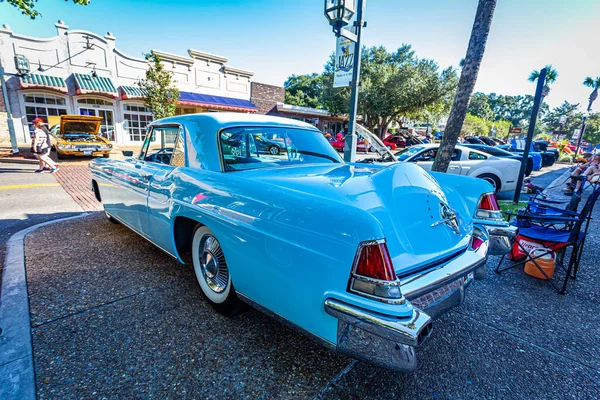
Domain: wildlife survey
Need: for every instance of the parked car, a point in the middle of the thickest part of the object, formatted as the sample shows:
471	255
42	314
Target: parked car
501	173
339	144
272	146
473	140
543	146
332	248
488	140
77	135
498	152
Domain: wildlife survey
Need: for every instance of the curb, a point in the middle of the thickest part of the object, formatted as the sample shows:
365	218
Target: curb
17	375
17	160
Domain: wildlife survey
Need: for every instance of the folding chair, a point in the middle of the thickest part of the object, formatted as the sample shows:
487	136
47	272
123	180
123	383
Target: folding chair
557	233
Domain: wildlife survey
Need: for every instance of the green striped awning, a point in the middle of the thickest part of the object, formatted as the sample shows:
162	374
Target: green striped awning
43	81
133	92
87	84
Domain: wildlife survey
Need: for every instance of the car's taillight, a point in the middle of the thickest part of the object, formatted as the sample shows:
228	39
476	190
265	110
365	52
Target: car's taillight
488	207
373	273
476	242
478	238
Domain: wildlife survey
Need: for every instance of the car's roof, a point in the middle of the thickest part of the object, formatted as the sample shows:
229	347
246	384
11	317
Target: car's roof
231	119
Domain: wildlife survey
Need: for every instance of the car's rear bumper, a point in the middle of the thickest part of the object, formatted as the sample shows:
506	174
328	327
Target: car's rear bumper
501	239
389	341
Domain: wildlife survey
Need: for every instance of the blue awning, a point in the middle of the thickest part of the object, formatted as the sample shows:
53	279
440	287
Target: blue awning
216	102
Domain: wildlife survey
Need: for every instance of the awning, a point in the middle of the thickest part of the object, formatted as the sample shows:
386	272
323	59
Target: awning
43	81
133	92
216	102
88	84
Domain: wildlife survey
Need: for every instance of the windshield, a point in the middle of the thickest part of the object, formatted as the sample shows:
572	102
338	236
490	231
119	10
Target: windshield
407	152
257	147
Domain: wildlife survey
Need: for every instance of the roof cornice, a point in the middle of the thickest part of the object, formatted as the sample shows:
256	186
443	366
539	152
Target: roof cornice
200	55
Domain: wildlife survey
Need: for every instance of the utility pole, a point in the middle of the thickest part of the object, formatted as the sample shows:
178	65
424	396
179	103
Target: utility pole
351	138
534	113
11	126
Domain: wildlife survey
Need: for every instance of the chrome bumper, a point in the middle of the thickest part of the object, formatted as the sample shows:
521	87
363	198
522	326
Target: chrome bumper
501	239
390	342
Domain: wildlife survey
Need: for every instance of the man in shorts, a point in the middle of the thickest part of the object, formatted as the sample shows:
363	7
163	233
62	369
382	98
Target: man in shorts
41	146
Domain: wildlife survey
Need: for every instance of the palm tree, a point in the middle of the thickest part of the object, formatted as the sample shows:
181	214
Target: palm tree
595	84
551	75
468	78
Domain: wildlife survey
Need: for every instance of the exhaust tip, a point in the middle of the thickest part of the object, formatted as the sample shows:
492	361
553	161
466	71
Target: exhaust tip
424	334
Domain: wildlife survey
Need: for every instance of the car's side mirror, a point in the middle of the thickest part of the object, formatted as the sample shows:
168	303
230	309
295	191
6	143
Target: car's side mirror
127	153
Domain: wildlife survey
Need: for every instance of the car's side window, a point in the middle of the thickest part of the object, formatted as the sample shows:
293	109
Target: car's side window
476	156
159	144
456	154
178	158
428	155
146	144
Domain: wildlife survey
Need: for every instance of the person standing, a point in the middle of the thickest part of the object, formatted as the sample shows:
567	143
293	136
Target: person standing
41	148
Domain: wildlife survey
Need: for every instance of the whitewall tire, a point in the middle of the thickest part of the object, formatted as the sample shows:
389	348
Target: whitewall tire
212	272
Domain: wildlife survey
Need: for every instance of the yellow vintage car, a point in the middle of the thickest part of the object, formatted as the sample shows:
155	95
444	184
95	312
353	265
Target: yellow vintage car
77	135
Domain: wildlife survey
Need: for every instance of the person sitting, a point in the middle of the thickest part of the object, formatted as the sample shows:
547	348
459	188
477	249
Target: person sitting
592	174
575	176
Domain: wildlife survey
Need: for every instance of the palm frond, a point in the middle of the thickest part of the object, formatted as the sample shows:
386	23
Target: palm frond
591	82
534	75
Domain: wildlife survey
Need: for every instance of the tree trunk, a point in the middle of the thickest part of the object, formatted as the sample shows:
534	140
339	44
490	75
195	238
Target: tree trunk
468	77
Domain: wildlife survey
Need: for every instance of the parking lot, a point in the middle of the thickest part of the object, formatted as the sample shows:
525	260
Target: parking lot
117	318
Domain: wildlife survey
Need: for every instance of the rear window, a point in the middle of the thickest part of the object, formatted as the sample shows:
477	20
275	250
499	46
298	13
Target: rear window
256	147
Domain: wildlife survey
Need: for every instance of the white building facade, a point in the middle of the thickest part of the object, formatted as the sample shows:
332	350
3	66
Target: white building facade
79	72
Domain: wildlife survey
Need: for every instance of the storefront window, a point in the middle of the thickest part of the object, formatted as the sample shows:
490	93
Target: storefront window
136	119
43	105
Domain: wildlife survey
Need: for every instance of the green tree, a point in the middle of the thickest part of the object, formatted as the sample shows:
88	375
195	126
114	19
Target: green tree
392	85
592	130
594	84
304	90
479	106
162	95
27	7
572	114
468	78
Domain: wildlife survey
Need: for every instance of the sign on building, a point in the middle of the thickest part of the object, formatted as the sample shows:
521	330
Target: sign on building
344	62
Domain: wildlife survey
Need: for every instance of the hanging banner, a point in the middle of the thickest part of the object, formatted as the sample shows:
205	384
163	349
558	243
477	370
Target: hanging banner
344	62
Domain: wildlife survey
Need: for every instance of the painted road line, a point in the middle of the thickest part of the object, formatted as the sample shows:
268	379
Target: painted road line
28	185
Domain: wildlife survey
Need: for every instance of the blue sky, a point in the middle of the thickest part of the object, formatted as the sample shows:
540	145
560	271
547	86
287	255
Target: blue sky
278	38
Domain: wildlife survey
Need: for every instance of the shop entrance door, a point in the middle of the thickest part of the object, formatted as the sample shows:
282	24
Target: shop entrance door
107	126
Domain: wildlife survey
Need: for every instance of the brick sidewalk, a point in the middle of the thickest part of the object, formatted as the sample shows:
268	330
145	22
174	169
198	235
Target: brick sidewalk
76	181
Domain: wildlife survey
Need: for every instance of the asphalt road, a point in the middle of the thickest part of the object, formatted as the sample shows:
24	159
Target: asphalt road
117	318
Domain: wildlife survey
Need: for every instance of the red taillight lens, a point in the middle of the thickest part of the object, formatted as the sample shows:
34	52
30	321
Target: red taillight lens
374	262
488	207
374	274
476	242
488	202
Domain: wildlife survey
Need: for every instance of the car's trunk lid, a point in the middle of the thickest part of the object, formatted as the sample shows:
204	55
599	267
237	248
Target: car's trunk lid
411	208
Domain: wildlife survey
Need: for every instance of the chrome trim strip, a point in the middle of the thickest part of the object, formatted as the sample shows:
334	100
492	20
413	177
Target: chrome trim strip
421	283
401	330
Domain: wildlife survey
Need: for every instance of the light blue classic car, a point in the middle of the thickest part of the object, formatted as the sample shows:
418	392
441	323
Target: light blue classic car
361	257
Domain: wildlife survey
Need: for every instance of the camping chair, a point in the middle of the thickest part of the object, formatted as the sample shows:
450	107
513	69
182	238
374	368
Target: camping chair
557	233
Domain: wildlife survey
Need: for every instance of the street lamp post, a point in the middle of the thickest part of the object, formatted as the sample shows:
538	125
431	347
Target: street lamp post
339	13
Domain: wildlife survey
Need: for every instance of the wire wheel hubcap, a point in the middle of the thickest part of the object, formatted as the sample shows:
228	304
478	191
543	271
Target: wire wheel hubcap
214	268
